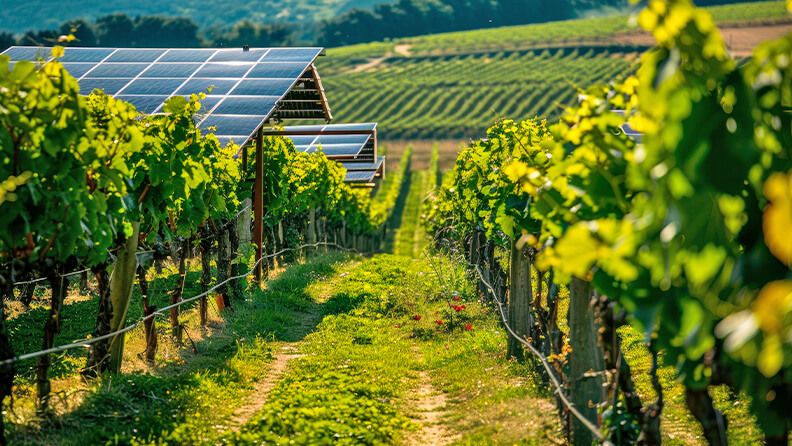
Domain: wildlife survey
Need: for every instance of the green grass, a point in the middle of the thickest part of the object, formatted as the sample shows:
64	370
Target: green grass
192	397
410	237
358	380
678	426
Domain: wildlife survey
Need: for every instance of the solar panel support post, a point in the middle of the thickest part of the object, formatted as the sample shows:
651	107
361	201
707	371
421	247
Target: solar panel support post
258	206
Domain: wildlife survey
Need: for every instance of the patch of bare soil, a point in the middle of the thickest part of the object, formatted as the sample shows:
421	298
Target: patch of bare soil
371	64
258	397
740	39
403	49
431	411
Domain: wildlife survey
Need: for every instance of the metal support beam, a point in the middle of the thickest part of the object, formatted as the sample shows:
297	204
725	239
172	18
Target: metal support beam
258	206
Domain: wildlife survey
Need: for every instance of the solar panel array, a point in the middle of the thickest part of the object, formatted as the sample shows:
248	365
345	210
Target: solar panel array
353	145
247	85
332	139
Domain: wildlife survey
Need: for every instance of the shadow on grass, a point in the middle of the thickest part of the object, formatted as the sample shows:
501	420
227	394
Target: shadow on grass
182	401
395	220
78	320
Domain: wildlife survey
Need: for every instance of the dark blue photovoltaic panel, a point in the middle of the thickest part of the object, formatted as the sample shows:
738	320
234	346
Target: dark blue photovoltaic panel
153	86
223	70
78	69
277	70
135	55
339	149
28	53
360	177
237	55
182	70
144	104
365	126
221	86
128	70
110	86
304	128
302	140
358	166
342	139
85	54
292	54
246	87
263	87
187	55
254	106
232	125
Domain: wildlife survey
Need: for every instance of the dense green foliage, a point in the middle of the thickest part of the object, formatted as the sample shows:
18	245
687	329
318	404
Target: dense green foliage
684	231
21	16
63	185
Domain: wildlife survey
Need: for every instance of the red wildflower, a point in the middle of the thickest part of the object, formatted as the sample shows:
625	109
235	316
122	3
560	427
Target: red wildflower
417	317
468	327
439	322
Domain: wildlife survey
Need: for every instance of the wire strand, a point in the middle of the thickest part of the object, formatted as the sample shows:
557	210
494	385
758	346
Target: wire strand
161	312
551	373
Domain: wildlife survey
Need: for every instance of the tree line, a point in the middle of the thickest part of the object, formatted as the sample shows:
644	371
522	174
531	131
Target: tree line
121	30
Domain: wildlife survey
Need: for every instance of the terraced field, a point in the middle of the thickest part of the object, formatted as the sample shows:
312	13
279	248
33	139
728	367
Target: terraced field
454	85
454	96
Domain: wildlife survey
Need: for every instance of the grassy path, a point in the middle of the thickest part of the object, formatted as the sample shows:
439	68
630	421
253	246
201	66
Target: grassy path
339	350
380	369
408	236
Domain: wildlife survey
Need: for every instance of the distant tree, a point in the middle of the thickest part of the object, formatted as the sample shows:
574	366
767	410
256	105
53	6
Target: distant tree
413	17
45	37
357	25
115	30
6	40
81	30
156	31
254	34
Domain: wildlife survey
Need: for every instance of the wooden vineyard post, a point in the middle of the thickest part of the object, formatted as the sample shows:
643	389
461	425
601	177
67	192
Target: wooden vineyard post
223	266
206	274
519	300
58	287
148	325
243	231
121	283
585	362
177	293
99	351
258	207
311	230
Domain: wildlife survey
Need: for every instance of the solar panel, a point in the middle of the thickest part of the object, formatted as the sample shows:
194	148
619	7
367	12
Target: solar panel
353	145
360	176
355	166
332	139
248	86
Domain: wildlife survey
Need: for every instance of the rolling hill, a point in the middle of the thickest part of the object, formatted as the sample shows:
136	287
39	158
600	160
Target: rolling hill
454	85
44	14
